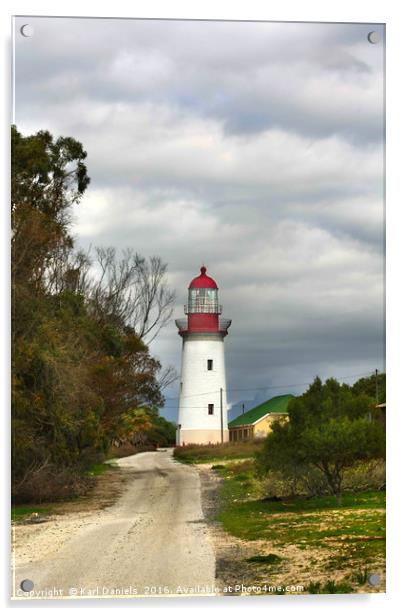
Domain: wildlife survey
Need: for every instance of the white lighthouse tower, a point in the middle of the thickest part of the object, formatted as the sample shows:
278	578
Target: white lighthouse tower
203	406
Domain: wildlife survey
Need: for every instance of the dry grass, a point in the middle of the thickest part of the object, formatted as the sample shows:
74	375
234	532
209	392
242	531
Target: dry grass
199	454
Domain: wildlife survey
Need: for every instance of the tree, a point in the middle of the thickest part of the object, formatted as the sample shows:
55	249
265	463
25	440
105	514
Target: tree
373	386
82	373
132	291
125	378
50	175
47	177
162	432
133	426
328	429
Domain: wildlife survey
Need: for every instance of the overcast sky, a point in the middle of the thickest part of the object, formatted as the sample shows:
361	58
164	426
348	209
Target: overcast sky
255	148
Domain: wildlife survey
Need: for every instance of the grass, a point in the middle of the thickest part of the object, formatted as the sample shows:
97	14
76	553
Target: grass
20	512
269	559
329	588
99	469
349	537
199	454
361	577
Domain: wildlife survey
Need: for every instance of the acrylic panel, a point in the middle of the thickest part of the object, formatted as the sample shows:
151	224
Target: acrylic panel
198	392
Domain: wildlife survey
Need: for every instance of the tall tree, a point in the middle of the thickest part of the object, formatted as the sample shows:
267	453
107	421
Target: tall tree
50	175
47	177
82	372
373	386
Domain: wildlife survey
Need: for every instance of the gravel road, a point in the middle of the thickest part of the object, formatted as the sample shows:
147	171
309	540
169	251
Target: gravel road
152	541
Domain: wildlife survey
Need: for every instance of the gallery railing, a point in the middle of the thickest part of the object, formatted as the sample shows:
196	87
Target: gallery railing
202	308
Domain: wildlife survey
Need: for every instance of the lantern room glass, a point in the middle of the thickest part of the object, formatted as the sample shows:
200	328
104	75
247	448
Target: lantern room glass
203	300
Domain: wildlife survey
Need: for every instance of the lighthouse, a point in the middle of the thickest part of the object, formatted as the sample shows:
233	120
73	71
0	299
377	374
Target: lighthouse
202	405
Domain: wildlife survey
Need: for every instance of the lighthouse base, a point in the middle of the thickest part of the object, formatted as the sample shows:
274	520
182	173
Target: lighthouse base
201	437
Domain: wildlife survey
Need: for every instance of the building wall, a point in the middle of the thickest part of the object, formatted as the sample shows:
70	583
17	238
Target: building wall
195	383
264	426
243	433
203	437
258	430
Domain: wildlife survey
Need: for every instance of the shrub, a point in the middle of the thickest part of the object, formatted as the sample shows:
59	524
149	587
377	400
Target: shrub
365	476
51	484
204	453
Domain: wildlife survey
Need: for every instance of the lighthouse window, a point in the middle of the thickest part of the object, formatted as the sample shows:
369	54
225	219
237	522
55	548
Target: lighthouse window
203	300
210	364
210	409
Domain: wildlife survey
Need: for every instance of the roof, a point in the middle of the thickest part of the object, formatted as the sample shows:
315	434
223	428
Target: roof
203	281
275	406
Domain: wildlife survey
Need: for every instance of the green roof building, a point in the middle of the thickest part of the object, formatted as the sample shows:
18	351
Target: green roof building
257	422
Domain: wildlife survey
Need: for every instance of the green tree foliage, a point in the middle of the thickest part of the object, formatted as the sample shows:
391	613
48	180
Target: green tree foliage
373	386
162	432
82	375
48	175
330	428
142	426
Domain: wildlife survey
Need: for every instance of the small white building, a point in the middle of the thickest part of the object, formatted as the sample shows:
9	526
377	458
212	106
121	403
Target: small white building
203	405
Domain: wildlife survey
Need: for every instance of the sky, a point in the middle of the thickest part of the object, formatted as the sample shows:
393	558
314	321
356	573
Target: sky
255	148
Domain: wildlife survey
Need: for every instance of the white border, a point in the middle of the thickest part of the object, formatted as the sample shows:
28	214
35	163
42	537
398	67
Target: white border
378	11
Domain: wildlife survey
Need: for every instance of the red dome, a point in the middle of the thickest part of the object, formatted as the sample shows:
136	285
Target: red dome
203	281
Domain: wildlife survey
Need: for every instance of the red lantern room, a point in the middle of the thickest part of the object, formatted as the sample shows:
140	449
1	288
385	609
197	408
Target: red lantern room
203	308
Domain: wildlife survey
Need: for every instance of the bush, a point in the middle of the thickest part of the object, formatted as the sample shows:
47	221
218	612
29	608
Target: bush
365	476
302	481
330	430
308	482
90	456
50	484
127	449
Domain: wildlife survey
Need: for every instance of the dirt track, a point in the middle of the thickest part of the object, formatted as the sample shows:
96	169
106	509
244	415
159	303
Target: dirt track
152	541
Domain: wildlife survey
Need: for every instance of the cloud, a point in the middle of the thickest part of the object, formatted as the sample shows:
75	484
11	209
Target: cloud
315	79
256	148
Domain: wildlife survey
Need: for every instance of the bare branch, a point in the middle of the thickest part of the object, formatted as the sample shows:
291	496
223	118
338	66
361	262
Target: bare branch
133	292
167	377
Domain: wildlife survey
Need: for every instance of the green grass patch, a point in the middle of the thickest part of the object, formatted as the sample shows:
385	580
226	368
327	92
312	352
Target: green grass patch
99	469
352	533
20	512
254	520
268	559
329	588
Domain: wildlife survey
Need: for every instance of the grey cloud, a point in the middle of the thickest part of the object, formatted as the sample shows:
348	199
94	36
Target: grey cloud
251	77
254	147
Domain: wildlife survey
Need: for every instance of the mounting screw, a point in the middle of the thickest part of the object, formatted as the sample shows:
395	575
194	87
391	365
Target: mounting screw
27	30
373	37
27	585
374	579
